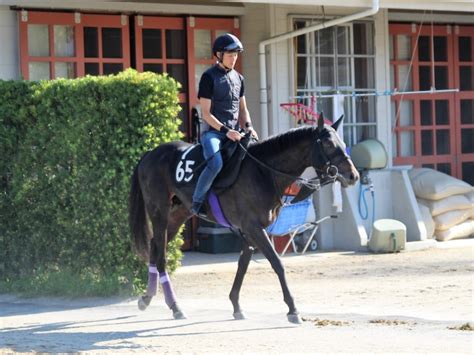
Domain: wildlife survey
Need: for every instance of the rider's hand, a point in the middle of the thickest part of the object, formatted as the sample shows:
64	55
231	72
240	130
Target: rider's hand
253	133
233	135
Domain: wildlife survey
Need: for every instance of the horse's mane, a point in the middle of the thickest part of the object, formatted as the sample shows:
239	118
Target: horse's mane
280	142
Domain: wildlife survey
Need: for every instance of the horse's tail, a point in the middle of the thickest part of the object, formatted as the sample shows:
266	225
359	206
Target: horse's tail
137	218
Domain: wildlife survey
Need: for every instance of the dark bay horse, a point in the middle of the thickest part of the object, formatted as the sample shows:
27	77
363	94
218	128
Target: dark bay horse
158	207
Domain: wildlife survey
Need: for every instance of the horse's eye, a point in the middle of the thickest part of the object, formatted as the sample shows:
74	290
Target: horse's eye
329	145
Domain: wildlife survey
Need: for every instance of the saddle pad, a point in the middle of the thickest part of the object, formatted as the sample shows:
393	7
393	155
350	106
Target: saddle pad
191	163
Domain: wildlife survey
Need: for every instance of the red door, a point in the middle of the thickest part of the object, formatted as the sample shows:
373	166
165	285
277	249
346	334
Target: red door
181	47
160	47
70	45
202	32
428	129
464	101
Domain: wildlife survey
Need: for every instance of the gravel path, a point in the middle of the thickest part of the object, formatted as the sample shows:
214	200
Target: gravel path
412	302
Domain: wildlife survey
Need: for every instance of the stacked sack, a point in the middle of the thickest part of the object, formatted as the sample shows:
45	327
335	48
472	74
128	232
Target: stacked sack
446	204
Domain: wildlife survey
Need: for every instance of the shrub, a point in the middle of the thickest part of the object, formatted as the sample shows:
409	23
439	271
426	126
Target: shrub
69	150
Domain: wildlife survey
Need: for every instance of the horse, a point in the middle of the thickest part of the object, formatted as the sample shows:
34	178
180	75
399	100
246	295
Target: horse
158	206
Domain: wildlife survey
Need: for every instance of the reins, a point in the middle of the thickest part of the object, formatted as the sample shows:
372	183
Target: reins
329	174
313	183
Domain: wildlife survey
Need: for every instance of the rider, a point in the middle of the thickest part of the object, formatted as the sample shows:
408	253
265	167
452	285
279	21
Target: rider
223	107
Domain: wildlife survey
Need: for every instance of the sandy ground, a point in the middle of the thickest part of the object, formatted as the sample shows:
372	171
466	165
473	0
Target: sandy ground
351	302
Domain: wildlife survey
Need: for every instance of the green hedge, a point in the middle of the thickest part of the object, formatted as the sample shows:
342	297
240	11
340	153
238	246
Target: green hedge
67	151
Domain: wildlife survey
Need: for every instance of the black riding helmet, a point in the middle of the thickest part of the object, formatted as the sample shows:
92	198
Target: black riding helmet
227	43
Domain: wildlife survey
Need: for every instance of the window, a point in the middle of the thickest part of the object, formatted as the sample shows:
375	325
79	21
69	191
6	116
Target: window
338	59
433	129
69	45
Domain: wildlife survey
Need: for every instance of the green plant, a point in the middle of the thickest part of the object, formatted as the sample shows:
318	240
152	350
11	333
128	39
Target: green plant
69	150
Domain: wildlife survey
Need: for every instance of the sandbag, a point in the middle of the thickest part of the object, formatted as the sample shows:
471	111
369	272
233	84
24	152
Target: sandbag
450	203
415	172
470	196
449	219
462	230
427	220
434	185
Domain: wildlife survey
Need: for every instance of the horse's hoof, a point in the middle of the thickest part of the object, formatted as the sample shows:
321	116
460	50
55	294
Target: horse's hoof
179	315
143	302
239	316
294	318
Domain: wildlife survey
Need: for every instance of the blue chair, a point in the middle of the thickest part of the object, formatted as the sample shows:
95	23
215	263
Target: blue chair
292	220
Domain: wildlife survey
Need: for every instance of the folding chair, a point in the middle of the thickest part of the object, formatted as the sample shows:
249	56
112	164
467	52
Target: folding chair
292	220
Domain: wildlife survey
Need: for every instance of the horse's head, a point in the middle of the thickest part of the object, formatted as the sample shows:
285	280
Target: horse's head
330	159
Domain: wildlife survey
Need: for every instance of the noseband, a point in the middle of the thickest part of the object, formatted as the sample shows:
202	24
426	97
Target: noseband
329	170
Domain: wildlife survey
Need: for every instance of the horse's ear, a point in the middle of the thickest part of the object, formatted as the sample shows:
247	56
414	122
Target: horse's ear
321	121
337	123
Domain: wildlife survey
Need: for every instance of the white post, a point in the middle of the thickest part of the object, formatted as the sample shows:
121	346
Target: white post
338	110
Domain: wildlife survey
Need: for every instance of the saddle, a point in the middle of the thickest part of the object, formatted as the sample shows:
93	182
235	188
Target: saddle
192	162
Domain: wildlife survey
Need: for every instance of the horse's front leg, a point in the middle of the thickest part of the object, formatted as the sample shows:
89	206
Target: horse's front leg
262	241
244	260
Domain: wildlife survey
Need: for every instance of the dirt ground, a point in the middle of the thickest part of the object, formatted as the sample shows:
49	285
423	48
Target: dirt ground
412	302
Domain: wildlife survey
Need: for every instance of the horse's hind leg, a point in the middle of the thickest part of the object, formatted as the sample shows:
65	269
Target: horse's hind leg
159	234
244	261
157	267
177	217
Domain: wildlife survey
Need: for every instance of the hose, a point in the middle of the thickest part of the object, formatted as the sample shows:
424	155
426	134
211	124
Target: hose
364	209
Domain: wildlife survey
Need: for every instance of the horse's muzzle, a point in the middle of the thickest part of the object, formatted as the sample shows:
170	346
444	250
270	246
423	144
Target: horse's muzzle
353	177
349	179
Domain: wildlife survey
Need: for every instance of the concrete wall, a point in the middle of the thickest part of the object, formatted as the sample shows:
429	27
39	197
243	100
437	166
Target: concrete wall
393	200
382	81
9	53
254	29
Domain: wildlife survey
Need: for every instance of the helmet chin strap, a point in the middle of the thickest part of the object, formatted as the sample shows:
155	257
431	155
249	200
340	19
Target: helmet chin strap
222	62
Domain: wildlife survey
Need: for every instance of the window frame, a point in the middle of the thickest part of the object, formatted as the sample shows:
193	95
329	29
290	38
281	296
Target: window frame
78	21
351	122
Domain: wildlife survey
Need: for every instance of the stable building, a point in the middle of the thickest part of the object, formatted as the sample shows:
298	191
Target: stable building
401	72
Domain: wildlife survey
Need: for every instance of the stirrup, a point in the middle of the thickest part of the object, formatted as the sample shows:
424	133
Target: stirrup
198	209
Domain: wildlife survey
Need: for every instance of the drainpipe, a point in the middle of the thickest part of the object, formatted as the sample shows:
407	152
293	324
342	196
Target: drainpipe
261	52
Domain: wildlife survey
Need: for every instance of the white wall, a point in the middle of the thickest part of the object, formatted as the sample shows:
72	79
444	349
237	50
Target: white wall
382	81
9	52
393	200
253	30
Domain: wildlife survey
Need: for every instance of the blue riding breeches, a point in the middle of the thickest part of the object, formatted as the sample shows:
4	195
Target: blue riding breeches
211	142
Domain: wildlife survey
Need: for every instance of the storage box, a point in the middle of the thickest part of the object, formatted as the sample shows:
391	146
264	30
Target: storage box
388	236
216	240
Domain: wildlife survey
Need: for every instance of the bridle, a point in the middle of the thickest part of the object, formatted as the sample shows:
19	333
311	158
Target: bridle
329	171
327	175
